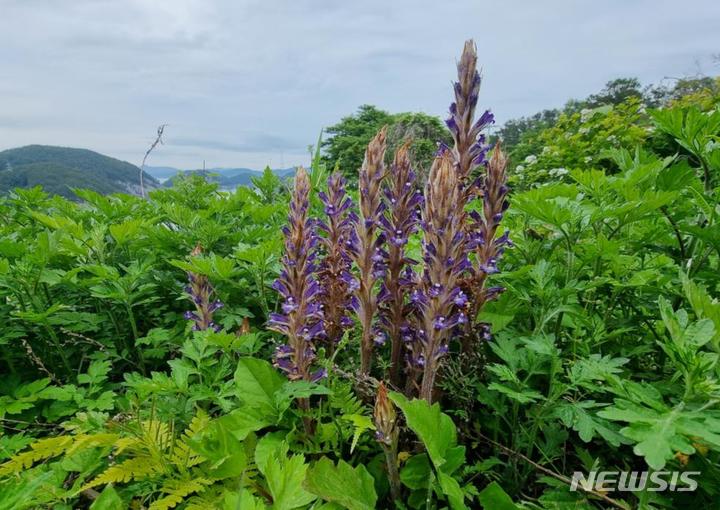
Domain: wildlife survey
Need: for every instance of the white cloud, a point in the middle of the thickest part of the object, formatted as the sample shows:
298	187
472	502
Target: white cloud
264	77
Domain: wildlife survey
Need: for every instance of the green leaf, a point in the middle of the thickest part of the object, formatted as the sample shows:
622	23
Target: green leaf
242	500
272	444
256	383
108	500
417	472
361	423
354	489
451	488
434	428
285	478
493	497
660	433
222	449
524	397
292	390
242	422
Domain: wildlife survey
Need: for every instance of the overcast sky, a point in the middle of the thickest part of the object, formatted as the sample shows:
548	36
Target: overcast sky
250	83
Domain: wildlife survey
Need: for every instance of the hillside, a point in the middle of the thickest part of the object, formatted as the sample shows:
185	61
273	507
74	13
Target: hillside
59	169
227	178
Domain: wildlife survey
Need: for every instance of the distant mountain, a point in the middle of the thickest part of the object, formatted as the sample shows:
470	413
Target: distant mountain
58	169
227	178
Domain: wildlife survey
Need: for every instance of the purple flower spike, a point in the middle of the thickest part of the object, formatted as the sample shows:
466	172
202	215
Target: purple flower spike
485	227
469	149
334	268
201	293
469	152
302	318
400	221
368	241
445	254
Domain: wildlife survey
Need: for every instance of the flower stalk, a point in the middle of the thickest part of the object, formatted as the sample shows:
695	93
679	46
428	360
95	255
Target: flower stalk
439	300
201	293
301	320
335	268
387	433
368	247
470	152
399	223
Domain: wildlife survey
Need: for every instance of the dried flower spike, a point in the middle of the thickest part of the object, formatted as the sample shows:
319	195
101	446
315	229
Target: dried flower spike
368	246
386	432
201	293
301	320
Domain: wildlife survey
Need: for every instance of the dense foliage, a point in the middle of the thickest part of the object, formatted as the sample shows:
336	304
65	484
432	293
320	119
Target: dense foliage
345	143
413	368
553	142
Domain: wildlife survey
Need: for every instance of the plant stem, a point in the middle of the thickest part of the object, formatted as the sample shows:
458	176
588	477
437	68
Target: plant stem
393	473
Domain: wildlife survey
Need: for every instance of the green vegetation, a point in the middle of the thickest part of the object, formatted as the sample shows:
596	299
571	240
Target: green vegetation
551	143
136	356
59	170
347	140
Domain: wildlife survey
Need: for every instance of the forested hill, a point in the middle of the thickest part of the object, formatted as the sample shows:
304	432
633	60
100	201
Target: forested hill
59	169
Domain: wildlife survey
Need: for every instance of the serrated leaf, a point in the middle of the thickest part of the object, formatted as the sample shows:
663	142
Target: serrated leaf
451	489
361	423
524	397
353	488
417	472
242	422
285	478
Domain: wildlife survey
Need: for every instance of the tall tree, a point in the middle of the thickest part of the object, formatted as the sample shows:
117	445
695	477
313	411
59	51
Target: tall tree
347	140
615	92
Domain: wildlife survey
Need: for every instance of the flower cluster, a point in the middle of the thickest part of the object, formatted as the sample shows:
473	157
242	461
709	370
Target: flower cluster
400	221
439	299
365	265
334	270
488	246
368	251
469	152
201	292
301	320
470	148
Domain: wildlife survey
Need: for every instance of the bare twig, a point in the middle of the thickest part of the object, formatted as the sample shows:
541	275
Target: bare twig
364	384
84	338
158	141
36	359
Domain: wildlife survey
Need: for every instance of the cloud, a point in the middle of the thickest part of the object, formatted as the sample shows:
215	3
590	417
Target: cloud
254	142
246	82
